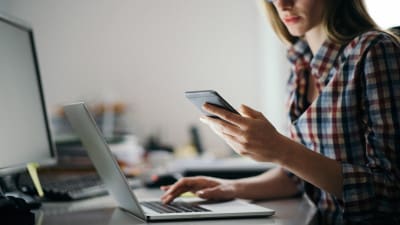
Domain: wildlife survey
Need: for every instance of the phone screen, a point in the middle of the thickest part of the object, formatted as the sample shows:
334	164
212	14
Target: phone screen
199	98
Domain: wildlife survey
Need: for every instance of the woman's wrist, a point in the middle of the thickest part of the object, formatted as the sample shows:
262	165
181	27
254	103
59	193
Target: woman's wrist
283	150
238	188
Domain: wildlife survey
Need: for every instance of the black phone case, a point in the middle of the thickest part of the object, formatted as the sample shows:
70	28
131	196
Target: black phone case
199	98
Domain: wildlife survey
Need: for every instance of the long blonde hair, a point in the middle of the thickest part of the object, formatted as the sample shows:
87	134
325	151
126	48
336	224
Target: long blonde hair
342	21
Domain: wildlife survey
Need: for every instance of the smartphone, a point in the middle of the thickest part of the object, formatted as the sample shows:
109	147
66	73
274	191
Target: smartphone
199	98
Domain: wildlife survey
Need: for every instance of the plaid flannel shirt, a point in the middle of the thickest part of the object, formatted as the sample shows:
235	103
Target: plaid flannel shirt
355	120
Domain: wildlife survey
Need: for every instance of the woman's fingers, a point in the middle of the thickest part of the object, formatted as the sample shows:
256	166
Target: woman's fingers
232	118
204	187
250	112
175	190
170	196
192	184
221	127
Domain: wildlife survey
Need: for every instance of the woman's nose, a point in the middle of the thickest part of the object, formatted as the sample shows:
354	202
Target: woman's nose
282	4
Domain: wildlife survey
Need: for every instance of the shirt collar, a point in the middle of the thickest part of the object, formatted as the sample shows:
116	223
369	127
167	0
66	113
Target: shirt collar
300	56
324	59
299	50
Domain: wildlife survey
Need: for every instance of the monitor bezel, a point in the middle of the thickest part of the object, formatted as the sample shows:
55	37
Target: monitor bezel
53	158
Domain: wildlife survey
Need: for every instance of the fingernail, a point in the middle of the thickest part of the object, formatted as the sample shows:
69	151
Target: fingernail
200	193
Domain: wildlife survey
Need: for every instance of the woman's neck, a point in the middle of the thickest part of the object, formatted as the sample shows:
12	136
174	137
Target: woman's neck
315	38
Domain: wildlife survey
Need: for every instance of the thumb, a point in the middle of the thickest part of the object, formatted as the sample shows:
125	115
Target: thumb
251	113
210	193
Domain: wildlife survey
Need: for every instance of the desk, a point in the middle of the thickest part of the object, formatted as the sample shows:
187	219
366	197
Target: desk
103	211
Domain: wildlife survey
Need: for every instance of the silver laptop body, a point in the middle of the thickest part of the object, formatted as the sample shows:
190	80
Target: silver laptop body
114	180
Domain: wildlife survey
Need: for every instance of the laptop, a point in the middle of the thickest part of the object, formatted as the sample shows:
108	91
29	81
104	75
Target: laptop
115	181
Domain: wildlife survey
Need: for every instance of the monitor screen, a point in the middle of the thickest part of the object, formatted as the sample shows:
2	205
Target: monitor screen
24	129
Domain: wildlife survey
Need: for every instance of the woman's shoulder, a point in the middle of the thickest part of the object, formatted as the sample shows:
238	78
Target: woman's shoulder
361	43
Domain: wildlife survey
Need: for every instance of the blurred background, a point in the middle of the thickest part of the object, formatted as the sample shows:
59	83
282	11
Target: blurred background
134	59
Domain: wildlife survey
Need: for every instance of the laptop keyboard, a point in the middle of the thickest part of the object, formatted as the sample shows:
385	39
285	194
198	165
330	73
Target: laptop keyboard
174	207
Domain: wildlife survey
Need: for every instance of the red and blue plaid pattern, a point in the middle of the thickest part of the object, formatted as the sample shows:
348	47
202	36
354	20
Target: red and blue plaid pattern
354	120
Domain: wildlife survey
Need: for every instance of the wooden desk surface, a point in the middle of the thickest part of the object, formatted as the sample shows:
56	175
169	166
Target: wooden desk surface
103	211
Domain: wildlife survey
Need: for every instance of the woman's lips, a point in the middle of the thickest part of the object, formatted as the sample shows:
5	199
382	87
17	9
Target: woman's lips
291	19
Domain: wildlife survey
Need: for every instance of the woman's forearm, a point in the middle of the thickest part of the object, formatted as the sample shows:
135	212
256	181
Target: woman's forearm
274	183
312	167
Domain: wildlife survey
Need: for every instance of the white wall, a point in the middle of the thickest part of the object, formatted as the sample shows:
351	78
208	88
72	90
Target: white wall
147	53
384	12
274	74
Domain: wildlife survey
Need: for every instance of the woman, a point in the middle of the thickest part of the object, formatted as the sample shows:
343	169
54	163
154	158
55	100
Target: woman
344	109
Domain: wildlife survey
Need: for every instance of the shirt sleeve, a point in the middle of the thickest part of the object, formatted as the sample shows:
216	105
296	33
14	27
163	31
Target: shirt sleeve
373	189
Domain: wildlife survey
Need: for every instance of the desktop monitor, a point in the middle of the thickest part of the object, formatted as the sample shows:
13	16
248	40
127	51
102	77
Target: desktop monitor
24	128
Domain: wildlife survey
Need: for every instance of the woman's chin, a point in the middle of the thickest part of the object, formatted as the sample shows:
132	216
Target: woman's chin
296	33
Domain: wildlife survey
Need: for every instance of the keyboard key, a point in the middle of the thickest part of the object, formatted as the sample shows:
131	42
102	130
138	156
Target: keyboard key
174	207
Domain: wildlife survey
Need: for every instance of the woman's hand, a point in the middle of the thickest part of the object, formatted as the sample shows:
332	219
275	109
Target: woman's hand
250	134
203	187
